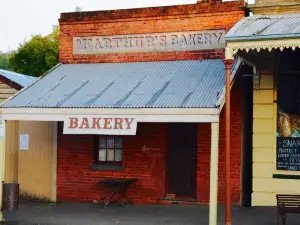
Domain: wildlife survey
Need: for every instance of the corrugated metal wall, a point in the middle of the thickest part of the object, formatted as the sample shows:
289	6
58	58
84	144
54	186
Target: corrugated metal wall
32	168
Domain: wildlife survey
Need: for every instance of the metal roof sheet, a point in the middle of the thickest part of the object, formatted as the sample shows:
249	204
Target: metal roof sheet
265	27
22	80
170	84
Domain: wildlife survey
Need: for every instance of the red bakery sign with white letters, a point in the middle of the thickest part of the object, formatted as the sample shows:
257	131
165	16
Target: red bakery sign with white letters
105	125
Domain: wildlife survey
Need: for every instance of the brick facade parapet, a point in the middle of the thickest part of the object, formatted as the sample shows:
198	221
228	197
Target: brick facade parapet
152	12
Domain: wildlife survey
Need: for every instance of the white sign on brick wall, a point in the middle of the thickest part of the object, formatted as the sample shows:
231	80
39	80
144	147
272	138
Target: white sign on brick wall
154	42
105	125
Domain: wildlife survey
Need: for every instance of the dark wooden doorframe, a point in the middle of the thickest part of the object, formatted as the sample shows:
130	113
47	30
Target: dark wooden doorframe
247	130
181	159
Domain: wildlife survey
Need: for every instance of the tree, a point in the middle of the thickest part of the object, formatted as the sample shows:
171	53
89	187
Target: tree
4	61
36	56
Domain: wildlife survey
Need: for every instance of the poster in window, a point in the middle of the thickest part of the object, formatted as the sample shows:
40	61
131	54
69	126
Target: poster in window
288	123
110	142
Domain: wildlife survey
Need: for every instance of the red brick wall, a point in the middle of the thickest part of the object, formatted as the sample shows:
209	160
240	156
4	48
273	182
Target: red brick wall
76	182
203	167
196	17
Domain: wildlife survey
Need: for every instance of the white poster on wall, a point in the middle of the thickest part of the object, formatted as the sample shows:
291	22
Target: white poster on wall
24	141
2	128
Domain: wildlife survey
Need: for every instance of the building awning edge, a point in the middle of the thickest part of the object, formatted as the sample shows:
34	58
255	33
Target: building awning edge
205	115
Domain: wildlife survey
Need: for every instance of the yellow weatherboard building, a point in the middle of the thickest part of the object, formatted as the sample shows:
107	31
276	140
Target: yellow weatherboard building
269	43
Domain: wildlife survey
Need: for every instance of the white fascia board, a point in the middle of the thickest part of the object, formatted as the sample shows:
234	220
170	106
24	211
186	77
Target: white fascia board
142	115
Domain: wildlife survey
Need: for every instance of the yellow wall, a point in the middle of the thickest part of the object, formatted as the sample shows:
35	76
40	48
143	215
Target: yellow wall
265	187
276	2
268	7
34	169
11	151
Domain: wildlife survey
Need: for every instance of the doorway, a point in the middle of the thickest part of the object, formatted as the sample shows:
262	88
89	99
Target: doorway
246	83
181	163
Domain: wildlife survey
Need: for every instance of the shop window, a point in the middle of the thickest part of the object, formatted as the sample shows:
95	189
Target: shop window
109	149
288	122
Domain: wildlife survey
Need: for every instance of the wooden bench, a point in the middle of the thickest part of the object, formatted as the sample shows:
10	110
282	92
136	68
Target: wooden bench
287	204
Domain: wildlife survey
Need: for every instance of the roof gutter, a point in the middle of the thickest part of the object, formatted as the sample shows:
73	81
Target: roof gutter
262	37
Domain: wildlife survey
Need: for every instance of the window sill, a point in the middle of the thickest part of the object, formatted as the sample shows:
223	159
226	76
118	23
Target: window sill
107	167
285	176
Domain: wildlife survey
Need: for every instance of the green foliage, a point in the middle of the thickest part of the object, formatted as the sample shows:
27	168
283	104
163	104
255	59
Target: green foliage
36	56
4	61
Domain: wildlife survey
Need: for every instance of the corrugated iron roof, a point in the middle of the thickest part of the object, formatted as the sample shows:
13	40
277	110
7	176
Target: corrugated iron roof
20	79
171	84
266	27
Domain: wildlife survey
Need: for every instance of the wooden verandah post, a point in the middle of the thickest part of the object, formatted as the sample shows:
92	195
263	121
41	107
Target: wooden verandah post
228	63
214	163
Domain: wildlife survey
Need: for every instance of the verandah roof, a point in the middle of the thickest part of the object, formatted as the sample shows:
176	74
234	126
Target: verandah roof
170	84
266	27
17	78
265	32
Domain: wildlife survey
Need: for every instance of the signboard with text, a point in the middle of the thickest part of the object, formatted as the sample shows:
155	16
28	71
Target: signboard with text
105	125
154	42
288	153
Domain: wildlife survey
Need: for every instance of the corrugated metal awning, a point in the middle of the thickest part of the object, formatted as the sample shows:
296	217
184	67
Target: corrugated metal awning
266	27
20	79
171	91
264	32
172	84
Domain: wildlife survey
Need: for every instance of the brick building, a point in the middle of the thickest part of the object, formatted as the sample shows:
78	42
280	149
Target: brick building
139	94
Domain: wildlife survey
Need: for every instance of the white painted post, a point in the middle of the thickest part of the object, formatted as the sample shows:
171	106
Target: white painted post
2	162
54	163
214	164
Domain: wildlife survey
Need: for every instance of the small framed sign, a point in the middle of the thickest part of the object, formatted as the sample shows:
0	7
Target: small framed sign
24	141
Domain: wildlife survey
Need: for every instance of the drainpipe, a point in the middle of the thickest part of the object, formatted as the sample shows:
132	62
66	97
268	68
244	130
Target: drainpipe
228	63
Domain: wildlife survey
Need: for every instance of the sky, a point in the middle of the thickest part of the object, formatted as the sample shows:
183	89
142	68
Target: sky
22	18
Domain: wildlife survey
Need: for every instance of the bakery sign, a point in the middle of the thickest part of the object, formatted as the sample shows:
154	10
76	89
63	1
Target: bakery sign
154	42
105	125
